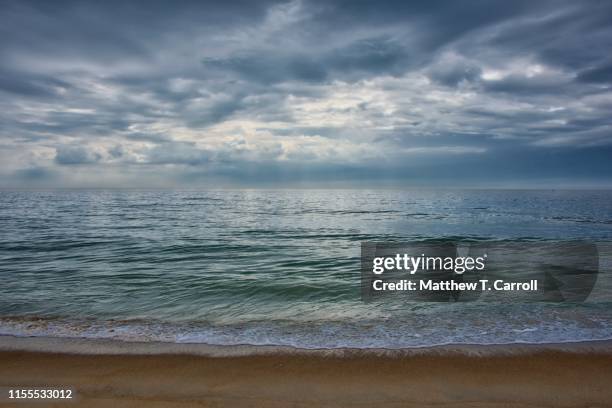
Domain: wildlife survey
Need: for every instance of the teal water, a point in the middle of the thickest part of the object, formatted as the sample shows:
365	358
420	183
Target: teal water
275	267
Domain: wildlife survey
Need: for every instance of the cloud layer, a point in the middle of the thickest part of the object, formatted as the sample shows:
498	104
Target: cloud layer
163	94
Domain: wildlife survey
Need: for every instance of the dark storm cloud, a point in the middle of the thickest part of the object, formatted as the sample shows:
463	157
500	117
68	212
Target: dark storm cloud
217	111
438	21
304	90
453	73
177	153
567	34
364	57
531	86
602	73
270	68
32	85
69	155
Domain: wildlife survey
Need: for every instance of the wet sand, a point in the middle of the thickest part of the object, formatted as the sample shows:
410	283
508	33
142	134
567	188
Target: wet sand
544	377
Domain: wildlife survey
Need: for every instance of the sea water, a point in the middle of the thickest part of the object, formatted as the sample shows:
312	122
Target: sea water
276	267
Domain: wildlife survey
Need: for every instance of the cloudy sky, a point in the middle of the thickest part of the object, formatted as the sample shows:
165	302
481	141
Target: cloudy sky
305	93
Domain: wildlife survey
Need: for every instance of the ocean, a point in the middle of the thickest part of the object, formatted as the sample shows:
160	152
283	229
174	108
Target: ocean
277	267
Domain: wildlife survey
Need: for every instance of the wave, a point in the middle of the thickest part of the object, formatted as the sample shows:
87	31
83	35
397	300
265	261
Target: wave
379	333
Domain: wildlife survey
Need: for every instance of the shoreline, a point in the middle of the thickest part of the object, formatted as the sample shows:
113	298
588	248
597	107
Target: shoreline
561	375
90	346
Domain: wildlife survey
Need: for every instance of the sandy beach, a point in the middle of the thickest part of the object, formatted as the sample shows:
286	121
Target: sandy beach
546	377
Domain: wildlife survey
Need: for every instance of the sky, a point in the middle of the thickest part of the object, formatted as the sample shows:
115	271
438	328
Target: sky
102	94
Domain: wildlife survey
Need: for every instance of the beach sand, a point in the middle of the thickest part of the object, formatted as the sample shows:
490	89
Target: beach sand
437	378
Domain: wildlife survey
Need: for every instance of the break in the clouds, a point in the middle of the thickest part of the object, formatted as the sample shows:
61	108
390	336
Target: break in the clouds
151	93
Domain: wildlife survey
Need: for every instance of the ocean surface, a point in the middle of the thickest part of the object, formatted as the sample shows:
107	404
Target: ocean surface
277	267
